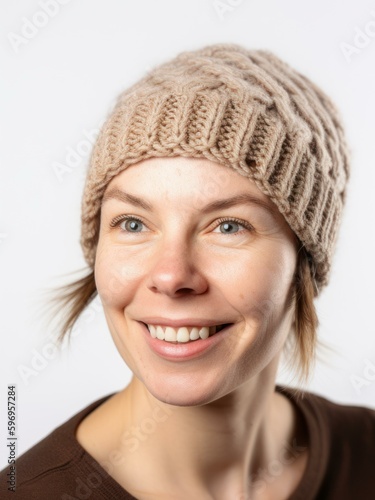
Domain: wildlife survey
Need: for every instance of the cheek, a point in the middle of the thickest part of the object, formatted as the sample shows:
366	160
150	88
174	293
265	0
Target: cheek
257	276
117	275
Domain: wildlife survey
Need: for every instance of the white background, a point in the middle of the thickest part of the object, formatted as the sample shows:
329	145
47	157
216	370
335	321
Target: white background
58	87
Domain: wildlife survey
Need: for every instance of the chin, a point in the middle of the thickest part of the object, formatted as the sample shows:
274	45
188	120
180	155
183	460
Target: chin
184	391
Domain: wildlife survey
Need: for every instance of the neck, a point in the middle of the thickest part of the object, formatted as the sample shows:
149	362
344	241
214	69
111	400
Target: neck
218	447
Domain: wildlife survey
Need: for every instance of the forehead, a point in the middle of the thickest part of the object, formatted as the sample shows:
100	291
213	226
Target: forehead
200	178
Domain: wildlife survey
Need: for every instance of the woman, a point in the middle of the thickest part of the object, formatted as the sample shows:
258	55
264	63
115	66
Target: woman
209	219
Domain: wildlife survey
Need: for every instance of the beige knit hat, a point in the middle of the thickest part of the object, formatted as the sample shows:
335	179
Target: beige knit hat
246	109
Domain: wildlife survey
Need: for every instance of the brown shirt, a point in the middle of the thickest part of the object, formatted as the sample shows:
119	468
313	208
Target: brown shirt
341	462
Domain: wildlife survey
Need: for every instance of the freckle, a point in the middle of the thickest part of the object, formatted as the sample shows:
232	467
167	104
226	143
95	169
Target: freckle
241	295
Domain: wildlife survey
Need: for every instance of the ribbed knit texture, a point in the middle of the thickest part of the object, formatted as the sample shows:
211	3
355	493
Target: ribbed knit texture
245	109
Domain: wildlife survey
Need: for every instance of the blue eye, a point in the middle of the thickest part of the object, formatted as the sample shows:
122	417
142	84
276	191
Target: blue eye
134	222
227	222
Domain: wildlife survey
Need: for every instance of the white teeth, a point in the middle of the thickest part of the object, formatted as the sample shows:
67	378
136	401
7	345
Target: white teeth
182	334
204	332
171	335
152	330
194	334
160	333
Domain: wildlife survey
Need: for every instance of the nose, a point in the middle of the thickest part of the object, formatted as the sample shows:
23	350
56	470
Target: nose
174	272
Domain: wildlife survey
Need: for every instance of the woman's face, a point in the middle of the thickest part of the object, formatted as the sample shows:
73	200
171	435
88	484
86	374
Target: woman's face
167	256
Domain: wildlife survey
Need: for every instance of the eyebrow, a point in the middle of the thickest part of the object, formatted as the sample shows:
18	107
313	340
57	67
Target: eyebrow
239	199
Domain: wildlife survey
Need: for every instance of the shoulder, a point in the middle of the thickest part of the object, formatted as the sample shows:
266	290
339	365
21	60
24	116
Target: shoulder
348	422
334	415
342	446
55	467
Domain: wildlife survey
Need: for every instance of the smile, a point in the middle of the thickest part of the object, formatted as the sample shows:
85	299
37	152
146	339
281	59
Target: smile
183	334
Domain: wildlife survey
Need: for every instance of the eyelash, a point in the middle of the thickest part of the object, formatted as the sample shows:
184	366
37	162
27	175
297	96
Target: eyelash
117	220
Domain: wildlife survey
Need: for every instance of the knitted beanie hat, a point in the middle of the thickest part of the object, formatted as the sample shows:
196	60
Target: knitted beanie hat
245	109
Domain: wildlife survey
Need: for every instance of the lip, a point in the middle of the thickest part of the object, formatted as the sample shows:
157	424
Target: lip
182	351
